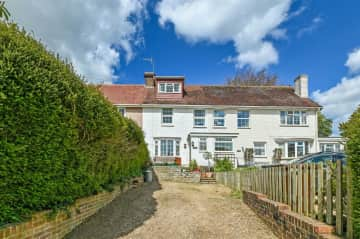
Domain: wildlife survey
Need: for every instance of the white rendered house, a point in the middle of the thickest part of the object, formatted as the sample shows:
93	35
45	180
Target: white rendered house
185	121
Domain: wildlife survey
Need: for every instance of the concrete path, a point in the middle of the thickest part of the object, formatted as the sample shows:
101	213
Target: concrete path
175	211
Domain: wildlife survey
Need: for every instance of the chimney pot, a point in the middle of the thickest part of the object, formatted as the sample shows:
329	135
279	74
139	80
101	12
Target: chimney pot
301	86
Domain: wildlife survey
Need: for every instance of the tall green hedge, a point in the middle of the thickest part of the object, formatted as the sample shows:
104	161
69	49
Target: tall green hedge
351	131
60	139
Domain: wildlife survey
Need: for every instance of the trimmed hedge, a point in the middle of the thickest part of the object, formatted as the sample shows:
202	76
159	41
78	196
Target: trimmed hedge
351	131
60	139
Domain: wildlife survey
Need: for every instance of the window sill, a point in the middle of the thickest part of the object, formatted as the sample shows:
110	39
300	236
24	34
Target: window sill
167	125
219	127
285	125
262	156
201	127
244	128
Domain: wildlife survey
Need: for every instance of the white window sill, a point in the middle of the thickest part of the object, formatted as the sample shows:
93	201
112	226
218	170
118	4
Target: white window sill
286	125
219	127
244	128
167	125
200	127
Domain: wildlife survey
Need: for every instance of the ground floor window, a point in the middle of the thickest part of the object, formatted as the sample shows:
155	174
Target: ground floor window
167	147
294	149
259	149
203	144
332	147
223	144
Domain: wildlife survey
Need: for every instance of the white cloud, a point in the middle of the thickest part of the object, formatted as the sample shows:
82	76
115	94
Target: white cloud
92	34
244	22
279	34
315	23
353	61
341	100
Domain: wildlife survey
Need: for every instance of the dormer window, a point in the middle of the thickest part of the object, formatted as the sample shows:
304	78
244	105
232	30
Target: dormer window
169	88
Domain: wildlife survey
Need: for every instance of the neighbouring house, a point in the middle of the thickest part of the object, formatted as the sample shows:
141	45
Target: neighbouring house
331	144
187	121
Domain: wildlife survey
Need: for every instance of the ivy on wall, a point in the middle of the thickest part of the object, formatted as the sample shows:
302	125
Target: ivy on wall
60	139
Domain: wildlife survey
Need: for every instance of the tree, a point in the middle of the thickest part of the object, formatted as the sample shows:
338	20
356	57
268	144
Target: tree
351	132
251	77
324	125
4	13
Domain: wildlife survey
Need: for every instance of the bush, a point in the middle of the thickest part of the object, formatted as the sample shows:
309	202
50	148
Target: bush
193	165
223	165
351	131
60	139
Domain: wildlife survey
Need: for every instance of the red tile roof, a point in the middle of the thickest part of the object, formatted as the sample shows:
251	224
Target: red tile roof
210	95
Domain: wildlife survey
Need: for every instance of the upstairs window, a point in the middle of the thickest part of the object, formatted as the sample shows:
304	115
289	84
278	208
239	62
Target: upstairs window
121	111
219	118
243	119
199	118
293	118
167	116
169	88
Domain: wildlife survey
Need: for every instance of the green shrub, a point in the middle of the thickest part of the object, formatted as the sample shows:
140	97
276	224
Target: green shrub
60	139
351	131
223	165
193	165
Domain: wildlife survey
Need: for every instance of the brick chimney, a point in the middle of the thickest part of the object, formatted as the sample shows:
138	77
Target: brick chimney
149	79
301	86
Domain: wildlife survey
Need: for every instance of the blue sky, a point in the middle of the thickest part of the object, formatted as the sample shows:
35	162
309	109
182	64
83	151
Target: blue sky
207	41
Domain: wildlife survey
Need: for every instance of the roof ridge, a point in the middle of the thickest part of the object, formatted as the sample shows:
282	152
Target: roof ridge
245	86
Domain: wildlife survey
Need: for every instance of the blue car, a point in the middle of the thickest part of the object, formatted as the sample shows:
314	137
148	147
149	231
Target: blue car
321	157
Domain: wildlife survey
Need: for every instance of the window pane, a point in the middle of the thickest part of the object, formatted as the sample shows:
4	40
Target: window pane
290	118
300	148
202	144
162	87
303	117
219	113
337	147
169	88
121	111
167	111
167	119
199	122
156	148
259	149
243	114
176	87
291	149
243	123
199	113
170	148
223	144
297	117
177	148
283	117
163	147
219	122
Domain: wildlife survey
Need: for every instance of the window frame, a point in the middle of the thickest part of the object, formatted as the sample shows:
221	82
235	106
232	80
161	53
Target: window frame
163	87
122	111
262	148
195	117
202	144
293	118
163	116
304	148
216	118
224	141
167	147
241	118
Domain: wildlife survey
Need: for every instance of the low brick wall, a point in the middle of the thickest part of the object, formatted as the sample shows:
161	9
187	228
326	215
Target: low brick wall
176	174
43	225
285	223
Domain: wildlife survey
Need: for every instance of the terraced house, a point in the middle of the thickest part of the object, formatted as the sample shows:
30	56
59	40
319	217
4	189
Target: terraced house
186	121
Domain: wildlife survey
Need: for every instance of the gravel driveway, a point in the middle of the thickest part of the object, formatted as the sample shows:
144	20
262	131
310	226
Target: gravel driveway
175	211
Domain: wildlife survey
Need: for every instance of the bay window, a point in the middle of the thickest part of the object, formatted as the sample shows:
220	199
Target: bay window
167	147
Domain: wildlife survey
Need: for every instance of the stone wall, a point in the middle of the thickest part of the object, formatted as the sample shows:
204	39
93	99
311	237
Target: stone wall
285	223
45	225
176	174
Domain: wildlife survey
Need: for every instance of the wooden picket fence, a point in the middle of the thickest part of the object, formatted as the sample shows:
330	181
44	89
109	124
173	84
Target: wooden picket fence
313	190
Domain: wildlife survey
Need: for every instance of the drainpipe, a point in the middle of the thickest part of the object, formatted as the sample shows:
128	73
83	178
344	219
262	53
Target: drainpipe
189	145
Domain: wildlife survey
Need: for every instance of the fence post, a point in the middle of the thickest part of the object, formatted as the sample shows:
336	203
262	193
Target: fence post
320	171
312	189
329	199
349	221
306	189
